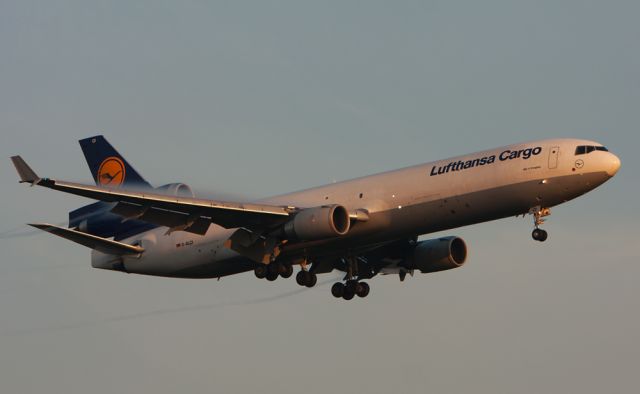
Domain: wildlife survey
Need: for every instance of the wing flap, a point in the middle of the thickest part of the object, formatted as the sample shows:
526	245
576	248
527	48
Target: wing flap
195	224
91	241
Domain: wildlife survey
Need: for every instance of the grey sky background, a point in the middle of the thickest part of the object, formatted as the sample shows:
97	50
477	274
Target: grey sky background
258	98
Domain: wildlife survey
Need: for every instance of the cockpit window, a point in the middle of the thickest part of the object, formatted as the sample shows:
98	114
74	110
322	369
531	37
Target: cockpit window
583	149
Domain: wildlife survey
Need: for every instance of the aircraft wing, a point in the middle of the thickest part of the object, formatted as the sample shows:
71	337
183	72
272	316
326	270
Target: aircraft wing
177	213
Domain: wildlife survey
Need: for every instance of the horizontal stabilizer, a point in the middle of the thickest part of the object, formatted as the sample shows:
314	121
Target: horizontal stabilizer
27	175
91	241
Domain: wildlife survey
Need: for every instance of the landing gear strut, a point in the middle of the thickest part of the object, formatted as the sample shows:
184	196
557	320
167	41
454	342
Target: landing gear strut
538	213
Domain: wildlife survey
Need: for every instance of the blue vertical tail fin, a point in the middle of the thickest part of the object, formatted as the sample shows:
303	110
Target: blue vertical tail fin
107	166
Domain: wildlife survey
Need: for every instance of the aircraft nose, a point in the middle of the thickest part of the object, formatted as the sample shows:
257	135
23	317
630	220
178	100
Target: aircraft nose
613	165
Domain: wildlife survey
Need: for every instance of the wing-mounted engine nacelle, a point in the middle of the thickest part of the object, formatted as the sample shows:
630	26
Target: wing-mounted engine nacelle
176	189
318	223
438	255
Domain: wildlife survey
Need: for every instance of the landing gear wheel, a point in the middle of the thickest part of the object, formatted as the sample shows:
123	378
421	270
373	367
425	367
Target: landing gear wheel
535	234
312	279
272	276
544	236
337	290
306	278
348	293
539	235
287	272
261	271
362	289
538	218
300	278
349	289
275	268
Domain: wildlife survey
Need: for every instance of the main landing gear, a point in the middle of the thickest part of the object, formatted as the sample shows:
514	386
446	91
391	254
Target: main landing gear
306	278
350	289
352	286
538	213
273	270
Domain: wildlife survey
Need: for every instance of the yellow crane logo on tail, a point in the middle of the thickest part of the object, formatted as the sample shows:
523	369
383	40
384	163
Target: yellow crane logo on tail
111	172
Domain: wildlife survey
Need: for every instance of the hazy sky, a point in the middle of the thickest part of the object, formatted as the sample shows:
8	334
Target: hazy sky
258	98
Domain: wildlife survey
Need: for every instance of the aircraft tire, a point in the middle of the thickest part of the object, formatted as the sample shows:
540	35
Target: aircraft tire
272	276
536	234
301	278
287	271
362	289
337	290
275	267
348	293
311	279
543	236
261	271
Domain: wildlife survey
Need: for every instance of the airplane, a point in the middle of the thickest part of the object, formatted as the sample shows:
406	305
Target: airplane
362	227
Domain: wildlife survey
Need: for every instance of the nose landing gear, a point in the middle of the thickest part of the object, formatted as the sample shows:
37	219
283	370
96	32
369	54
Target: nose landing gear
538	214
539	235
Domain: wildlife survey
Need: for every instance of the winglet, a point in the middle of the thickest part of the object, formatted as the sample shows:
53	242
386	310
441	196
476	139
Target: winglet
27	175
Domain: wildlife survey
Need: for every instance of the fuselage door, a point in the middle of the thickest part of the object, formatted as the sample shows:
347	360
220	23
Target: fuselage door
553	157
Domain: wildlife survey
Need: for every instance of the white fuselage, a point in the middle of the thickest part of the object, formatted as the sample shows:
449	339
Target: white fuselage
411	201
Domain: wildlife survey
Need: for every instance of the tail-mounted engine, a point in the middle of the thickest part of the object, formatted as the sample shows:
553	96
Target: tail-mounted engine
176	189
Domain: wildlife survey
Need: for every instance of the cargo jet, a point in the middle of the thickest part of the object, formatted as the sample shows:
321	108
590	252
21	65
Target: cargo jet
362	227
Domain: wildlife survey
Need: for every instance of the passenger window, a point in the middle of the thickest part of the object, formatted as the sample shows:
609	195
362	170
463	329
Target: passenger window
581	150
